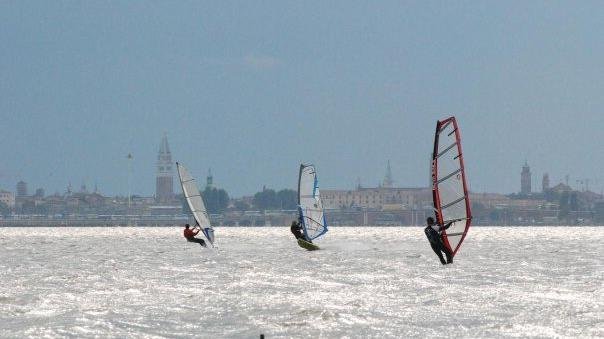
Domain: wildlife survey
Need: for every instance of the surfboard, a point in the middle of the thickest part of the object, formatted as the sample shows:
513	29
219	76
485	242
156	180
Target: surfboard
195	203
307	245
310	206
449	185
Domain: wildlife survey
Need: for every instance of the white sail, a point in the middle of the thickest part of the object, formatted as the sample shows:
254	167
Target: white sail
195	202
310	206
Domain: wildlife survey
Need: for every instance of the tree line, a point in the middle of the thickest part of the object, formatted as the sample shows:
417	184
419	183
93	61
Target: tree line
217	200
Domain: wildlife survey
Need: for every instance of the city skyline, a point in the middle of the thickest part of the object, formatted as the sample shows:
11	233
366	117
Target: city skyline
527	182
252	90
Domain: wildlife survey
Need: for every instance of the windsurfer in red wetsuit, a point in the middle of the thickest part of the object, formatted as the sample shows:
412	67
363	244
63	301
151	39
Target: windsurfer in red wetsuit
190	236
433	233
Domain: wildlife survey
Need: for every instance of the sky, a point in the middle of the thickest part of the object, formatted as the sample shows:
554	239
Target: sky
252	88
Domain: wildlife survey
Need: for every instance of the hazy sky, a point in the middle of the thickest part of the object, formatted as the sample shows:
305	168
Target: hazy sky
252	88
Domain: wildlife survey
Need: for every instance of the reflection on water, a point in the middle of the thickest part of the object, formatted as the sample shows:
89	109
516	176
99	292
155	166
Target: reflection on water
365	282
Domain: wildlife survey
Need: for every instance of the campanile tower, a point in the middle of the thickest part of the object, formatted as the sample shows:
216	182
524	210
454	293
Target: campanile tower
525	179
164	191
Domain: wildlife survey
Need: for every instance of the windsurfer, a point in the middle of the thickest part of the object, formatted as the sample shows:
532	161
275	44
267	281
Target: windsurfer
190	235
433	233
296	230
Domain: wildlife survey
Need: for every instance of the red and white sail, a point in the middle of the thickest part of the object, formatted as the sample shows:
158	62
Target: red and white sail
449	186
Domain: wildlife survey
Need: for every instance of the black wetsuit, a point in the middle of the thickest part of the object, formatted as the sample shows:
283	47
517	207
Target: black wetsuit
297	231
437	244
190	236
197	240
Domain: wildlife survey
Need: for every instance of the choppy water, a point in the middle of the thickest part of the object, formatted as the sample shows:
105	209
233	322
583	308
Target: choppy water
365	282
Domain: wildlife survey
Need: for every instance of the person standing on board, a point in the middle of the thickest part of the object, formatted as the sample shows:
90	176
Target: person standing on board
296	230
190	236
433	233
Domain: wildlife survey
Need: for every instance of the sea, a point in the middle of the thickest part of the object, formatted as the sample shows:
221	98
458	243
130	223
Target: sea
365	282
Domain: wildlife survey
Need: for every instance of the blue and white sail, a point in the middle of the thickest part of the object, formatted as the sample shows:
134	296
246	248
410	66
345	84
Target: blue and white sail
310	206
195	202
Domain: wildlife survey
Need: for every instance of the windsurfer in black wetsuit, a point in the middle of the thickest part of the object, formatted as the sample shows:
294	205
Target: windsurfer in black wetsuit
296	230
433	233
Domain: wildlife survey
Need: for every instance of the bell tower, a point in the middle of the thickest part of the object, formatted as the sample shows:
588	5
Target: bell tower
210	179
388	182
525	179
164	190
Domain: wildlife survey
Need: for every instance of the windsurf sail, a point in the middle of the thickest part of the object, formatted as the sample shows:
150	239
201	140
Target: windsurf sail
449	186
310	206
195	202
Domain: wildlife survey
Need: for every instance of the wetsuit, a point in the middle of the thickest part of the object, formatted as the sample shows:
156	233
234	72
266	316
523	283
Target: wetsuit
296	230
436	242
190	235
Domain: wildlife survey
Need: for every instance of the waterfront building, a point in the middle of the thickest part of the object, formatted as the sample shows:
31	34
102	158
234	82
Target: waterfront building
8	198
379	198
490	200
21	189
39	193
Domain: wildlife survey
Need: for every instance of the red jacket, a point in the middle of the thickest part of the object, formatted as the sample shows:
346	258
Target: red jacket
189	233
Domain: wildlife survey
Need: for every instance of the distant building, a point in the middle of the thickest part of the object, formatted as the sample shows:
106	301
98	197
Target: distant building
40	193
55	204
8	198
210	179
378	198
525	179
388	182
21	189
545	183
164	190
490	200
561	188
